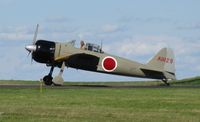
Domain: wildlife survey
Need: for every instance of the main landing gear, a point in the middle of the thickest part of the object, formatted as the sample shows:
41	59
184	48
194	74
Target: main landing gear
48	78
57	80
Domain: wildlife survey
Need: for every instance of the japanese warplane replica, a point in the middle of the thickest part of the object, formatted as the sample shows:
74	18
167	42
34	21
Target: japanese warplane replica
90	57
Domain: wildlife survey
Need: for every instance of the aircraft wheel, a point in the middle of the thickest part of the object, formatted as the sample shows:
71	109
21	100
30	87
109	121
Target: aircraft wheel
48	80
165	81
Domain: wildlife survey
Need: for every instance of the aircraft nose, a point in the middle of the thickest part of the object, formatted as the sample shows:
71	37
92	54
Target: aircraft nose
30	48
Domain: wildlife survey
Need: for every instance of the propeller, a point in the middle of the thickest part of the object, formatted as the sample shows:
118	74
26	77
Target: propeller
31	48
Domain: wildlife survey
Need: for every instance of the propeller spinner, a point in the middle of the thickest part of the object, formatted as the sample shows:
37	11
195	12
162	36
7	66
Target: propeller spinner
30	48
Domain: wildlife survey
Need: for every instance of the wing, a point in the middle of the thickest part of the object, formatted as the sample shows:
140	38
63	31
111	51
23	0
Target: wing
81	61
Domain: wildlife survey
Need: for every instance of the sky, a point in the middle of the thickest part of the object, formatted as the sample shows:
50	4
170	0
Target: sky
134	29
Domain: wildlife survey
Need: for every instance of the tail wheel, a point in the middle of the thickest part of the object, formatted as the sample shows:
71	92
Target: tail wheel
165	81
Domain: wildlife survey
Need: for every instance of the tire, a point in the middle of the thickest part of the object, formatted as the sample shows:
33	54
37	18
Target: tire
48	80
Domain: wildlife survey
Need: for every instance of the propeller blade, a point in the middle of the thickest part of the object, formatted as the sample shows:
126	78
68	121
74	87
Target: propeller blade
35	35
101	44
28	54
31	59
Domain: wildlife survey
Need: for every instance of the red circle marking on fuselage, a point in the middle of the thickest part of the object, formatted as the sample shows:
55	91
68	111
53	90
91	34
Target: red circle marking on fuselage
109	64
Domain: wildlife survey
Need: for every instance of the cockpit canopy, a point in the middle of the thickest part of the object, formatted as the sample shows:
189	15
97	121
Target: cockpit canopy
93	47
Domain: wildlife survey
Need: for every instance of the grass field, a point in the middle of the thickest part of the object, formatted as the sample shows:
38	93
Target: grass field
145	105
189	81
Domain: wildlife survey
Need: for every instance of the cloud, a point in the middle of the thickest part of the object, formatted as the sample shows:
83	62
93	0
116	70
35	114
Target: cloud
58	19
145	45
85	35
189	27
13	36
110	28
57	29
15	33
137	46
130	19
153	20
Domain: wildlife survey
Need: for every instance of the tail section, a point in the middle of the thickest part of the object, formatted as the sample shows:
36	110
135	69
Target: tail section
164	61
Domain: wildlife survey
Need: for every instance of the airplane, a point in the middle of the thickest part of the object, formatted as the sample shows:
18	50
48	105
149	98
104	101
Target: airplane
91	57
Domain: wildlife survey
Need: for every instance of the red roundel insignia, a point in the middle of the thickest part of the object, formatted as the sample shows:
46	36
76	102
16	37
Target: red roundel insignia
109	64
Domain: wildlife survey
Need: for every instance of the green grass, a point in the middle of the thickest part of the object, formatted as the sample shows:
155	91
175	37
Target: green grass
188	81
55	105
83	105
17	82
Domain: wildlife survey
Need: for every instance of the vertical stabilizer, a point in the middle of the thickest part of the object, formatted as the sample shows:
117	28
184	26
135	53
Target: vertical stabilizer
164	61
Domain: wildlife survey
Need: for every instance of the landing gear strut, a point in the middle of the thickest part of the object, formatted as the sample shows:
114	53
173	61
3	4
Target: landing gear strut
48	78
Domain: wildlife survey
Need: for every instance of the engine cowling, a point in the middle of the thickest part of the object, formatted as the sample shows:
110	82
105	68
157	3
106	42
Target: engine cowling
44	52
